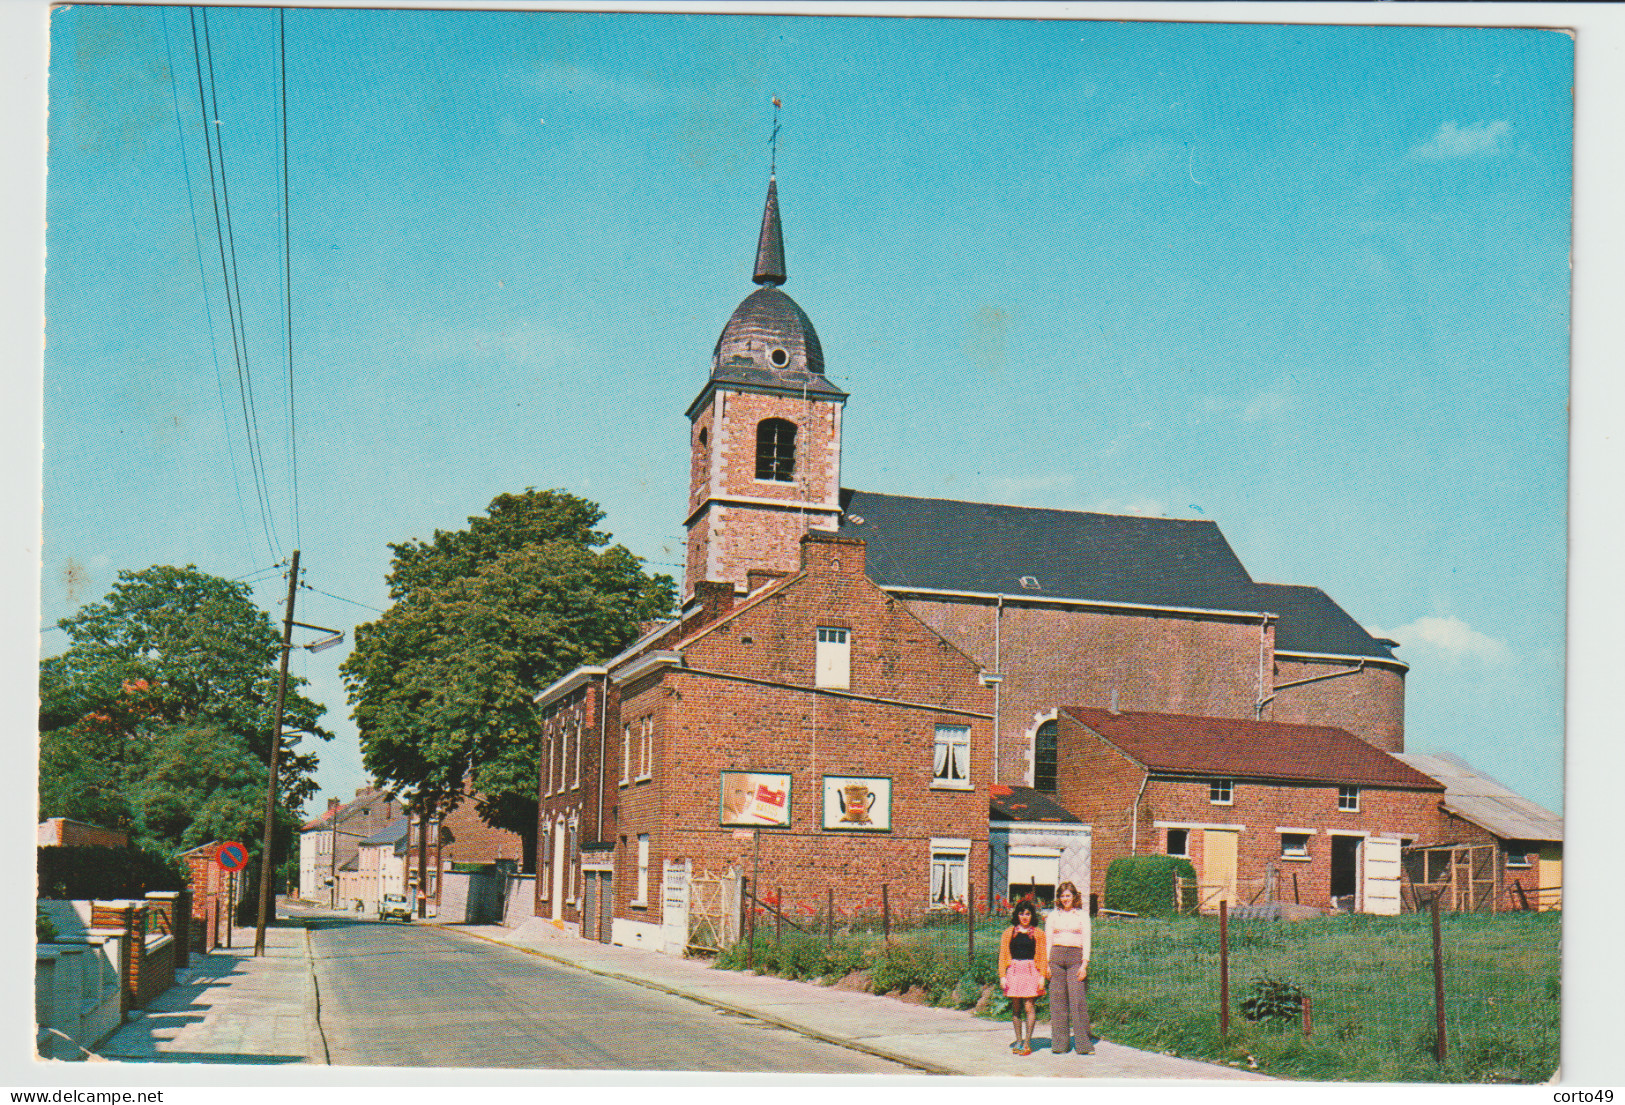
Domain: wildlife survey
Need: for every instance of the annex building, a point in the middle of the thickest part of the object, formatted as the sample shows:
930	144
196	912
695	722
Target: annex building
866	688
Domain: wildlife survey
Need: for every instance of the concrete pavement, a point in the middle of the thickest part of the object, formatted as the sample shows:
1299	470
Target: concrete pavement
936	1041
232	1007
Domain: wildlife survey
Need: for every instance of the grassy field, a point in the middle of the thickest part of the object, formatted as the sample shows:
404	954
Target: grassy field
1154	984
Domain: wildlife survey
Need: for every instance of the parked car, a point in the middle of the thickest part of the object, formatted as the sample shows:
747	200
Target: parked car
394	907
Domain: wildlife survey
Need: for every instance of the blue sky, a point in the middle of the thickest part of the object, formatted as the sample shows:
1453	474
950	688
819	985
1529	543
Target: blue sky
1310	283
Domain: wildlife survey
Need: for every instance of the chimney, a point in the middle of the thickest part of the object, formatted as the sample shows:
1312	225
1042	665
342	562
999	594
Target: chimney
332	804
716	598
1114	700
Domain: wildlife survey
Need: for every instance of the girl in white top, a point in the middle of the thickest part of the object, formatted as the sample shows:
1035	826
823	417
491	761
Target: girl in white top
1066	934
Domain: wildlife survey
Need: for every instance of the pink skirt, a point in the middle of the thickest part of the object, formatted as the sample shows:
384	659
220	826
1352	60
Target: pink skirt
1022	979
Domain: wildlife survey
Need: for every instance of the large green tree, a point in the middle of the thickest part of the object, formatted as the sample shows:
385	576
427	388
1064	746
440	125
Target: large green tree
483	618
157	717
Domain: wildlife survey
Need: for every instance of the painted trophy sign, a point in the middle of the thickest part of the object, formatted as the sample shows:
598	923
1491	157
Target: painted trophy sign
861	802
756	798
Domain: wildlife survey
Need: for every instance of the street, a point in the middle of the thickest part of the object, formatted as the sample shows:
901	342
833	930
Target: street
412	995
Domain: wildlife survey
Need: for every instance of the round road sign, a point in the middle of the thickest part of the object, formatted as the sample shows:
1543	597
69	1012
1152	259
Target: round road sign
232	856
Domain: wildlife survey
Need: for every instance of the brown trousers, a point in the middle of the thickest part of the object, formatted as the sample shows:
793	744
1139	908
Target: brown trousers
1068	1000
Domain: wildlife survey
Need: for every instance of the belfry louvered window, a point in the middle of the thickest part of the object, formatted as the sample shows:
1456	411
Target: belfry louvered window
1045	757
776	450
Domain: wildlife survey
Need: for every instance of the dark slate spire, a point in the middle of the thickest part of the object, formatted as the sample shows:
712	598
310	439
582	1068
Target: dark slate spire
770	246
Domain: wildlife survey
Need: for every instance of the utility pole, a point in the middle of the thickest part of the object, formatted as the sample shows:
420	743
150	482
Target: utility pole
276	755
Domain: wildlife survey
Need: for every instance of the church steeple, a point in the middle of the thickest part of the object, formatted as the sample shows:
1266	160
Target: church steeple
770	246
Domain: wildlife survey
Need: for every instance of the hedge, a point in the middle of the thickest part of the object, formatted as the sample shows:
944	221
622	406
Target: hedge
97	871
1145	884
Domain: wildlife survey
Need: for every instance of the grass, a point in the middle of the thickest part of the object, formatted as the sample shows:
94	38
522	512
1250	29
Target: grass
1154	985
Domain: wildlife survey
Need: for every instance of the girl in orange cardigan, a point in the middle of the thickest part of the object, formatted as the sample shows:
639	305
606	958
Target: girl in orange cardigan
1023	967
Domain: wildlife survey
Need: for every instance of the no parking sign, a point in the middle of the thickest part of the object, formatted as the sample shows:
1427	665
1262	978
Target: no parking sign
232	856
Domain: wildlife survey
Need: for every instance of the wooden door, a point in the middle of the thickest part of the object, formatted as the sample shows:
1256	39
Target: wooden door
1218	867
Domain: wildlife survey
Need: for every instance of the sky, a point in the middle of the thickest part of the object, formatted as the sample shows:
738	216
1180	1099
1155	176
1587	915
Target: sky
1308	282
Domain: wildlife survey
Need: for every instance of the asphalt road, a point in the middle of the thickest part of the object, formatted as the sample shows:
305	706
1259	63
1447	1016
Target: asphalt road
408	995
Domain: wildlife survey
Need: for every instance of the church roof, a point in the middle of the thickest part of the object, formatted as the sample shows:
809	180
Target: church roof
1036	554
1235	748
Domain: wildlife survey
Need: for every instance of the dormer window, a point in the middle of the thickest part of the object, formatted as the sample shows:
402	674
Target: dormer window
776	450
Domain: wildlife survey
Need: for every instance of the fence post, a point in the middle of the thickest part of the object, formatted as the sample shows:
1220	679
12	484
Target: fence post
1308	1016
1224	967
970	923
1438	984
747	922
829	935
885	910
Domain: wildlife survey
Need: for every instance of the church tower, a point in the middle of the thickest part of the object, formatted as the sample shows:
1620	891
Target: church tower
764	434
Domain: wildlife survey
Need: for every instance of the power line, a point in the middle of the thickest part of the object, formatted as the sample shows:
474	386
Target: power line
341	598
220	194
197	242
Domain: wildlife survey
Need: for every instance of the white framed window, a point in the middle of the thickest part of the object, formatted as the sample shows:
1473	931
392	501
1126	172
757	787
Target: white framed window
1348	799
950	872
626	753
577	784
646	748
571	856
833	666
1294	845
544	855
564	757
550	761
1179	842
643	870
1221	792
950	758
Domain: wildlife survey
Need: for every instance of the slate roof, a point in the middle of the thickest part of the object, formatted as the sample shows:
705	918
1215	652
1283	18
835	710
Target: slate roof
1474	796
1234	748
394	833
987	548
1012	803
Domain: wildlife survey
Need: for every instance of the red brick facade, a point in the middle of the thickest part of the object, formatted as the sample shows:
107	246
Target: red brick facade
1132	810
736	692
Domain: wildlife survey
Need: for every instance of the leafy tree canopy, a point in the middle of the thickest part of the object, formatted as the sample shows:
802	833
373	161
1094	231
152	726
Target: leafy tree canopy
441	686
157	717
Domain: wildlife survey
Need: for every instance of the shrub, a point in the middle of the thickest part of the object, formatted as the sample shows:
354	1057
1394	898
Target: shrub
1271	1000
44	931
1145	884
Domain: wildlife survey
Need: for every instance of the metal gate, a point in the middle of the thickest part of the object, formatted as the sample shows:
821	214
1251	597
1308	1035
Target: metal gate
713	912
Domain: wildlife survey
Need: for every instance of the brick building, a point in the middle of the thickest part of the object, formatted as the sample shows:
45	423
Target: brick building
960	628
1303	813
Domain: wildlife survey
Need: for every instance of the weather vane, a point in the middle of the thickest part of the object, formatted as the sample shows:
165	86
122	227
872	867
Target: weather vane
773	160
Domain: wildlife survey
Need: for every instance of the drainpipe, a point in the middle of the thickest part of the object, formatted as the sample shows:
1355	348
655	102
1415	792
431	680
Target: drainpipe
1134	818
998	626
603	710
1263	660
1355	670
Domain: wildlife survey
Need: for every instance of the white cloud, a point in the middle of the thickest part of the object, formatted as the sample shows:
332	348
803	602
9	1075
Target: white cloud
1450	637
1473	140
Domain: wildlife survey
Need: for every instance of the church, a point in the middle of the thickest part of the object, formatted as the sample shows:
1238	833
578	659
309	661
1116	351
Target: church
864	688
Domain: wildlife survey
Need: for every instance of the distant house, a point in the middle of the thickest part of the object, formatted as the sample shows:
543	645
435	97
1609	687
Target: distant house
1301	812
328	843
1492	849
381	864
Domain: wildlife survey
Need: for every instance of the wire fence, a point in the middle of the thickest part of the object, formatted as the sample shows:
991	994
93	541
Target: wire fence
1346	996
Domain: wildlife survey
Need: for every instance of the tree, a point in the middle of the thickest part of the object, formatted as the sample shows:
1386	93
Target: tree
483	618
157	717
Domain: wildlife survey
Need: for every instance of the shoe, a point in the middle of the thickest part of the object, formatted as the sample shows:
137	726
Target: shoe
1024	1050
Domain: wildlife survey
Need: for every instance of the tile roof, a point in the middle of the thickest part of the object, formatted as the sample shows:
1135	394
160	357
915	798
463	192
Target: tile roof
1230	747
342	813
394	833
1475	797
1032	553
1012	803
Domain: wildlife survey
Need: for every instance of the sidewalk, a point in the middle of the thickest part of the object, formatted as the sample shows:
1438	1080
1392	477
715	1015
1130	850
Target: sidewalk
230	1006
937	1041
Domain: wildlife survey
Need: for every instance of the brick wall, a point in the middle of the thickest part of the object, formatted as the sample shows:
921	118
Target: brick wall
1370	703
744	701
726	541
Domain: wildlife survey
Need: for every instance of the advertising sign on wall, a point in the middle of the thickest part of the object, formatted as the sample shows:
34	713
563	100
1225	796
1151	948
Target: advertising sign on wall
753	798
861	802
